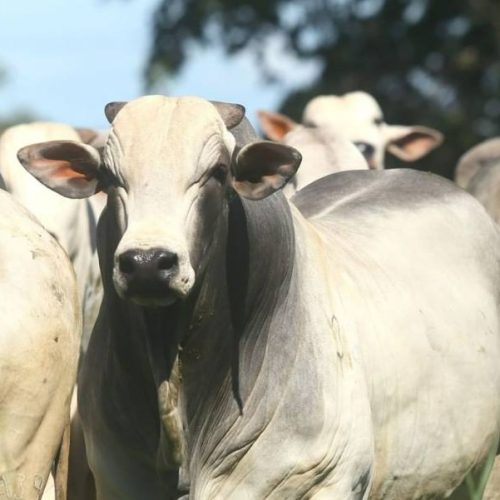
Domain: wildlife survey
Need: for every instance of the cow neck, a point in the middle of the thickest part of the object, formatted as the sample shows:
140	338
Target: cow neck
241	296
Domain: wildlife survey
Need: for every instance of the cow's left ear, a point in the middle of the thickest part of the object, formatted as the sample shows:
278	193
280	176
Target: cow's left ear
263	167
275	125
411	143
70	168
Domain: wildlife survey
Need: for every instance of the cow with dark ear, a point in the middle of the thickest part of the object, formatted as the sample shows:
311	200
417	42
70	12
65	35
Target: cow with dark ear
255	347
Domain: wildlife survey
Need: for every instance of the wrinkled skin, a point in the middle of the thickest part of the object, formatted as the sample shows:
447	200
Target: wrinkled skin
255	348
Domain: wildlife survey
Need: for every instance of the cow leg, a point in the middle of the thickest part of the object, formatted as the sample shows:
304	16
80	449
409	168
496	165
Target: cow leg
120	476
80	480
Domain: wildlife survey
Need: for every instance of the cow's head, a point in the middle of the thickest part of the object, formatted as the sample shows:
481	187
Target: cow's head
358	116
168	167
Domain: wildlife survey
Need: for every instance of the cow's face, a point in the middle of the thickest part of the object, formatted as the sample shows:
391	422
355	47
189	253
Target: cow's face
358	116
167	168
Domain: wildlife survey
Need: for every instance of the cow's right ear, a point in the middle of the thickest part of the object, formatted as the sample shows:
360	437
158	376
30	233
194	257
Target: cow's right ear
275	125
70	168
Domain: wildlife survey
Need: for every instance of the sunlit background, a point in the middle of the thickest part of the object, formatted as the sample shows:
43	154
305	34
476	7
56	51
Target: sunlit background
64	60
427	62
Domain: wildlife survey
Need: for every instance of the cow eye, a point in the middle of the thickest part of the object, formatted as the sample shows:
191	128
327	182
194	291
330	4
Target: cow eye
378	121
219	173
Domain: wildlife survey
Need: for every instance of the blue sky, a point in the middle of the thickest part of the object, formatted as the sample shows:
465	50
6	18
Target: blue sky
65	59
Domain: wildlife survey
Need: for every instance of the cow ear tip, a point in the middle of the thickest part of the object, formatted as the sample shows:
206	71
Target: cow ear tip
112	108
23	154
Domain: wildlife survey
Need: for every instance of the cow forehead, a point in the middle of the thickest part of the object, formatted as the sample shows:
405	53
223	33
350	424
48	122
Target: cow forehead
153	130
153	119
354	107
362	103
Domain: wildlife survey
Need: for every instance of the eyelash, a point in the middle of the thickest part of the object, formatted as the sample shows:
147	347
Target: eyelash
219	173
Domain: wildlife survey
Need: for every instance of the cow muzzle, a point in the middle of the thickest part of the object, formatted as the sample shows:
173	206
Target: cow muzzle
152	277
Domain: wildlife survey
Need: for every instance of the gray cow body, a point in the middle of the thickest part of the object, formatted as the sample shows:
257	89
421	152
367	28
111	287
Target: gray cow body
328	399
341	346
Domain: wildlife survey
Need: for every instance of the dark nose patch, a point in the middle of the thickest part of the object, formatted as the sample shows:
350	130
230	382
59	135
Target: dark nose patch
367	150
147	272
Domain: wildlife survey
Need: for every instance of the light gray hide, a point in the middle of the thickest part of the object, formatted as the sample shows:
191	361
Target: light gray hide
345	345
478	172
41	325
358	116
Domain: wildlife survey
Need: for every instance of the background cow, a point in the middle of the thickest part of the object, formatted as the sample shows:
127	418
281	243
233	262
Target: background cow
478	171
40	321
358	117
324	150
71	222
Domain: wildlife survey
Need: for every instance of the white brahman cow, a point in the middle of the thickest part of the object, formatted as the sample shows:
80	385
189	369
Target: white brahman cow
342	345
324	151
40	321
478	172
72	222
358	117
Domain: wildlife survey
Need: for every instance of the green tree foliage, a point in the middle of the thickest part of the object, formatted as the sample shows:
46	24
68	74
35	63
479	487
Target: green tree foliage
429	62
15	117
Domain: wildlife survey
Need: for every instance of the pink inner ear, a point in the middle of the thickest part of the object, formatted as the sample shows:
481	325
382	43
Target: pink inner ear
275	125
60	169
416	144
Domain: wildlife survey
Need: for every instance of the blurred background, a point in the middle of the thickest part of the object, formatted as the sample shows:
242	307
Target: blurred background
427	62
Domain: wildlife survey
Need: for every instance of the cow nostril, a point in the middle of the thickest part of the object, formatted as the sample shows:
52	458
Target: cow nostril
126	263
166	261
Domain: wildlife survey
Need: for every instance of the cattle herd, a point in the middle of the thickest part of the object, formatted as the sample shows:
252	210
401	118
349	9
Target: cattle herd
187	314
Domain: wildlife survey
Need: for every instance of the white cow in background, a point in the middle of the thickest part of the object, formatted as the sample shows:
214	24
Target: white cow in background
40	324
324	151
358	116
478	172
72	222
365	315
